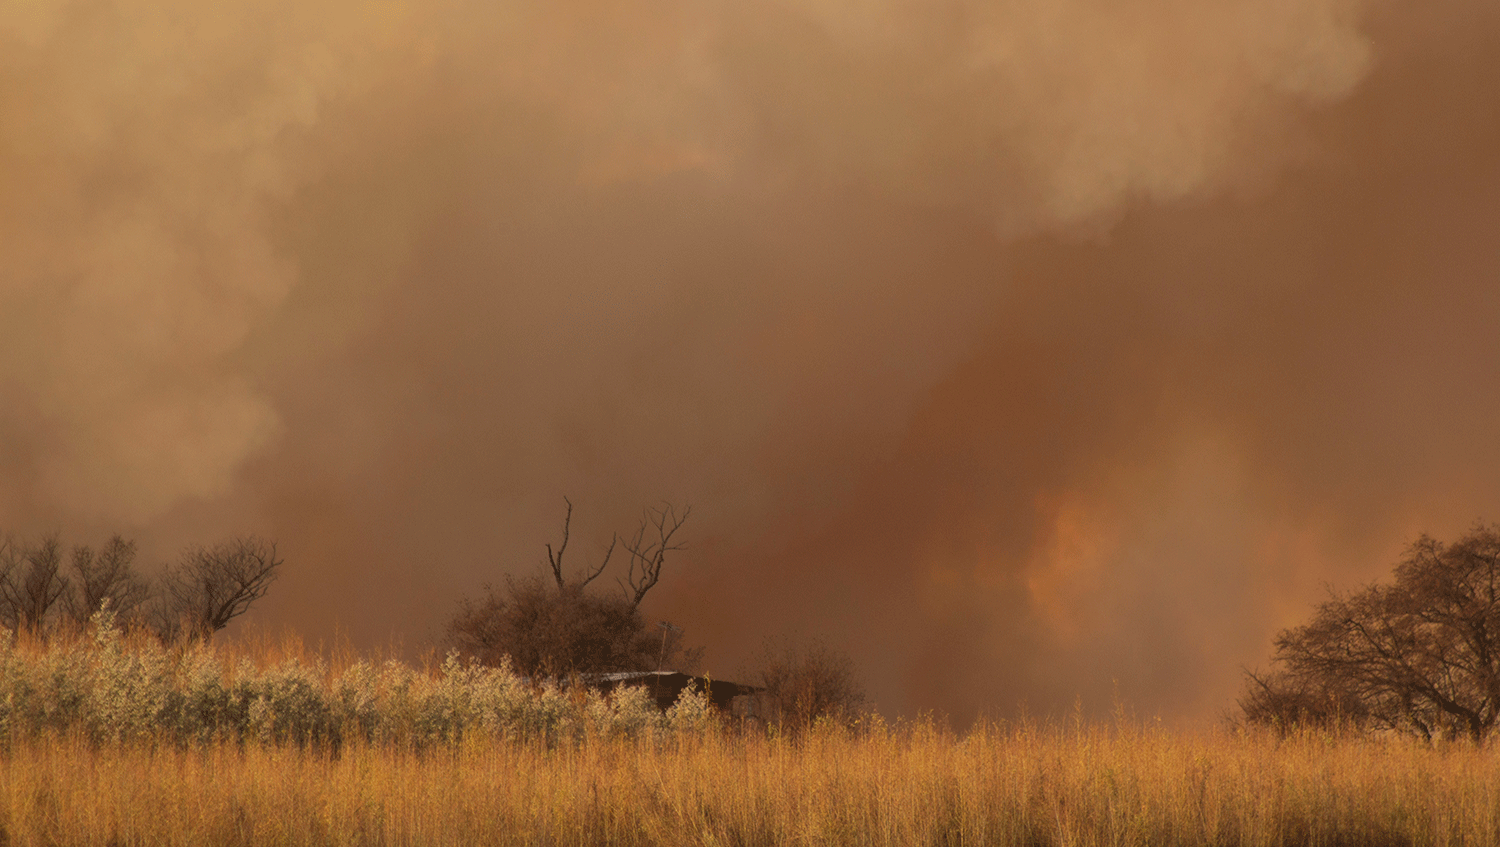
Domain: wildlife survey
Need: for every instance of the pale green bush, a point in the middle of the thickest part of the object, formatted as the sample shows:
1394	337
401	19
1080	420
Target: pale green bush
203	705
115	689
120	694
628	711
692	713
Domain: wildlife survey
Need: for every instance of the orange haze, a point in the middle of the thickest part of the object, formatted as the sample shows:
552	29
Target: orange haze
1029	351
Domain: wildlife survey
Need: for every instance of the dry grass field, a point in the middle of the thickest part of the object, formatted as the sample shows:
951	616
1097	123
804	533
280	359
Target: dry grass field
108	740
887	785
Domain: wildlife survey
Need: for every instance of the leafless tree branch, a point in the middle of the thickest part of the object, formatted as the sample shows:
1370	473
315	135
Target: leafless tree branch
555	559
211	586
647	557
544	631
32	584
105	575
1419	655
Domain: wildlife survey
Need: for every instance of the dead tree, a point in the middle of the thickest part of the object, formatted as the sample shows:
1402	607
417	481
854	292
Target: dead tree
31	585
561	628
105	576
211	586
648	556
555	560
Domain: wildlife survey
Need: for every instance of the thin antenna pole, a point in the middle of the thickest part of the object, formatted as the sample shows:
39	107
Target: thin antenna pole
666	629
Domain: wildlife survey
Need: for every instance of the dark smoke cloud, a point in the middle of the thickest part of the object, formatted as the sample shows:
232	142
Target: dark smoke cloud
1029	351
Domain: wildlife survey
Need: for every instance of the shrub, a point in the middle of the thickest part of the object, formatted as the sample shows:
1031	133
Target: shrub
115	687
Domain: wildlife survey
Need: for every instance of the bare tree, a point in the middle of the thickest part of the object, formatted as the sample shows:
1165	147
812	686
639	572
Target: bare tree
1286	703
105	575
555	560
564	628
648	555
211	586
810	682
1420	655
11	556
32	584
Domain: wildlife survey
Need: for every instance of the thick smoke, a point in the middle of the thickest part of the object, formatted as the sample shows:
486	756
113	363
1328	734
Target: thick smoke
1028	350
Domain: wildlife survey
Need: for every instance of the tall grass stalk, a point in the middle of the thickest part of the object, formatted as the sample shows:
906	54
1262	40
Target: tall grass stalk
882	785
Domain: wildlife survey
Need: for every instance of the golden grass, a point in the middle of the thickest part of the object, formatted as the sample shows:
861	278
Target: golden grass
883	785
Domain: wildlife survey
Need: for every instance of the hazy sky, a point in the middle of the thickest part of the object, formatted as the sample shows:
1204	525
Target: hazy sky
1028	350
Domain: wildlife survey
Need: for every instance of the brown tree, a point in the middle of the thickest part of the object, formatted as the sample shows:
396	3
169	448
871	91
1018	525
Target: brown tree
106	575
1419	655
211	586
207	588
810	682
1287	703
562	627
549	631
31	584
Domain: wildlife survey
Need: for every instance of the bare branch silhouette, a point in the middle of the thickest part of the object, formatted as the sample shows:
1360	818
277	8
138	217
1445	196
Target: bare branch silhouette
1420	655
211	586
32	584
562	628
105	575
555	560
647	557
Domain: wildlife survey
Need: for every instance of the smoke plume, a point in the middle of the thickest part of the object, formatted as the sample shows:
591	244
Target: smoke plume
1031	351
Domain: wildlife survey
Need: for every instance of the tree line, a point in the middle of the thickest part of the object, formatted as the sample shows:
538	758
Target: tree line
552	624
46	588
1418	655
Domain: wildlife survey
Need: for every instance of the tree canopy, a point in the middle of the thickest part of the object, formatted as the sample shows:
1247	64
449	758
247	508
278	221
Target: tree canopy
1420	654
